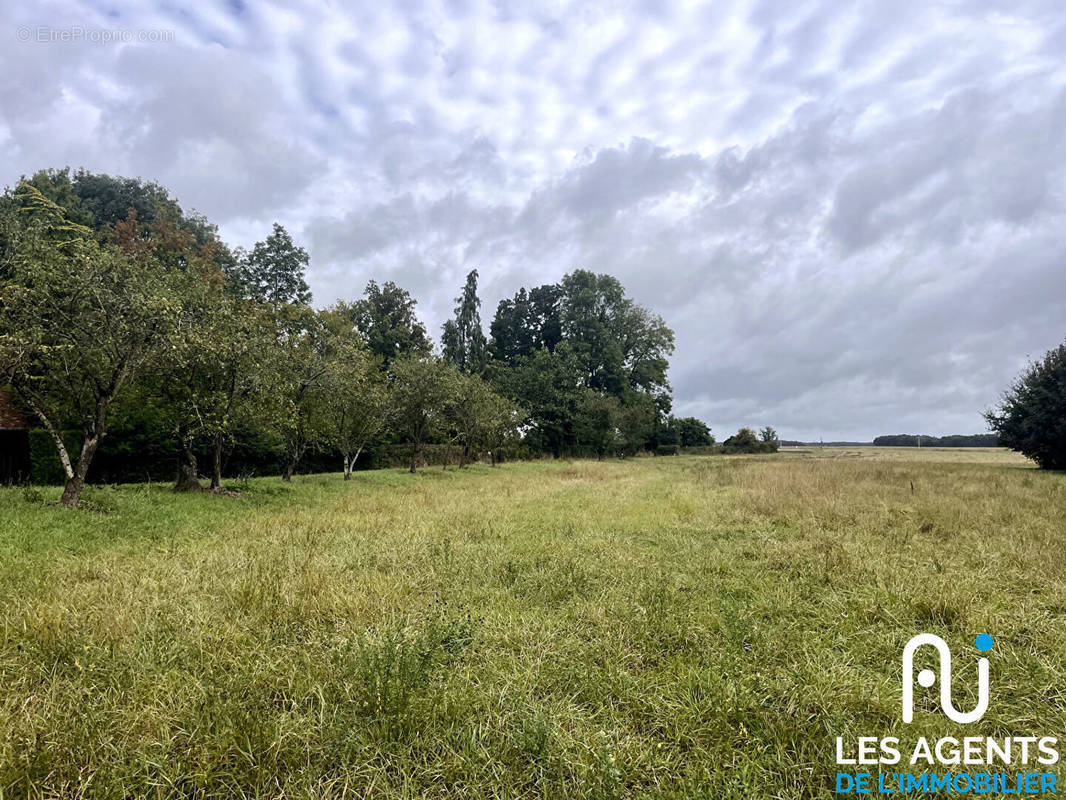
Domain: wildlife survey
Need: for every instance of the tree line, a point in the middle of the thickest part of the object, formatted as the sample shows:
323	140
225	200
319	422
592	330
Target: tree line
921	440
910	440
121	315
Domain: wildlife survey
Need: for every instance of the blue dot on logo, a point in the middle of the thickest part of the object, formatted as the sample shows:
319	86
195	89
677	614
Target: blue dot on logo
983	642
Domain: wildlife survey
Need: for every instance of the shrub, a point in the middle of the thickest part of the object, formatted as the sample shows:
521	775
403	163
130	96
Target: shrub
1031	418
668	450
432	455
45	467
745	441
694	432
703	450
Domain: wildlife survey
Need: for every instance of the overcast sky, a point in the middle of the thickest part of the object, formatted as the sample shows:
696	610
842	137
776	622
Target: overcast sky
851	213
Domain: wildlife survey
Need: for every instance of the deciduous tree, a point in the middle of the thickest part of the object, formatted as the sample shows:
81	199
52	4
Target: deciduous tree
356	403
636	421
422	389
80	321
596	423
694	432
385	317
549	386
528	322
218	377
302	358
1031	417
479	416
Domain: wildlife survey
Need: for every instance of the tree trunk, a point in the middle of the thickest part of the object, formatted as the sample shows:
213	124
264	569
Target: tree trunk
216	464
347	468
75	483
492	456
414	459
290	467
188	475
463	454
72	491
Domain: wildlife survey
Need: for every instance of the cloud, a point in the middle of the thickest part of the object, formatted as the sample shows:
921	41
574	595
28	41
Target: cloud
850	214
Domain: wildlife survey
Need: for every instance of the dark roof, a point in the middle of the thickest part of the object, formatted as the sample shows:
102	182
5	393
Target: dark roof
10	415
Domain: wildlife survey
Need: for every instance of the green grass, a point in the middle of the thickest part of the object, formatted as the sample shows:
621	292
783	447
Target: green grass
671	627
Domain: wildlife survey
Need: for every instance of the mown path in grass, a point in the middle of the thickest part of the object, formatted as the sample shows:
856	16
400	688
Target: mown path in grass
667	627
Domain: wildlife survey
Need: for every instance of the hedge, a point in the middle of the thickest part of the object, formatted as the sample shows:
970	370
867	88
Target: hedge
45	467
703	450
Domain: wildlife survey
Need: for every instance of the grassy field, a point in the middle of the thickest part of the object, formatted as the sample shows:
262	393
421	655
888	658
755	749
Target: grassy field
671	627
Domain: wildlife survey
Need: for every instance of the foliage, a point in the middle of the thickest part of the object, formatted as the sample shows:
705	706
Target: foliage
636	422
703	450
80	321
428	455
1031	418
306	352
126	317
217	378
620	345
385	317
479	418
422	391
956	440
273	272
57	186
693	432
527	323
114	206
747	441
462	340
109	200
355	400
665	432
139	445
548	385
596	423
45	467
587	334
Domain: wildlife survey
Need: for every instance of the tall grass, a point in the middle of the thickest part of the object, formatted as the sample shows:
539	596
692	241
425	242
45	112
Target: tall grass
673	627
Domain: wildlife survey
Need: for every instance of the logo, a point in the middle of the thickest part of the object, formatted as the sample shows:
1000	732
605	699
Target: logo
956	762
926	678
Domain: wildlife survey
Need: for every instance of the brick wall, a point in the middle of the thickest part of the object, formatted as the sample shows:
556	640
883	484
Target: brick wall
10	417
